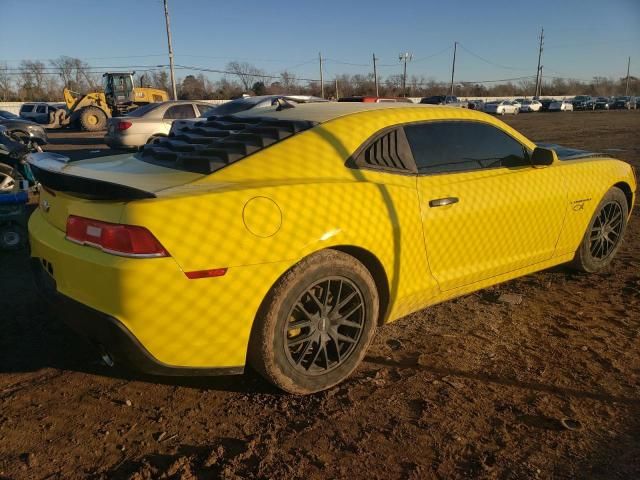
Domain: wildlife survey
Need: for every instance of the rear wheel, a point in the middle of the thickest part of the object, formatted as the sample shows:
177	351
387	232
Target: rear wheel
93	119
604	234
316	324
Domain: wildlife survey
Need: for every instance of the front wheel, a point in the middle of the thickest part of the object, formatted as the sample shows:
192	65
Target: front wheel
314	327
12	236
604	234
93	119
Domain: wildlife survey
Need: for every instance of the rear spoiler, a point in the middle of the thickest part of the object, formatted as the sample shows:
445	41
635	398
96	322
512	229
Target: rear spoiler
48	169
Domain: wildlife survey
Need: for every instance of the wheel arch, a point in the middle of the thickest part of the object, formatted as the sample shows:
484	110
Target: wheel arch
626	189
377	271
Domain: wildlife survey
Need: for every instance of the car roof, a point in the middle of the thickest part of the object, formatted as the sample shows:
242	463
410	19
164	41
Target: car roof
326	111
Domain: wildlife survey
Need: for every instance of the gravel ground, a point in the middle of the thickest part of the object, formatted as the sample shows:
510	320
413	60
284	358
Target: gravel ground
472	388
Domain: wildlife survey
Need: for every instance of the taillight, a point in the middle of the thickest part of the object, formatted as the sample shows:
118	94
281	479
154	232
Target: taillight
123	125
118	239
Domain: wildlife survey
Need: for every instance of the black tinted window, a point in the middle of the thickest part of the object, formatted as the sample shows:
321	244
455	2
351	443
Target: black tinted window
179	111
458	146
41	109
26	108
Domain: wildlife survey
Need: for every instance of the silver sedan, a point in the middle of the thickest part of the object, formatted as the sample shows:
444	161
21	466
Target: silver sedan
149	122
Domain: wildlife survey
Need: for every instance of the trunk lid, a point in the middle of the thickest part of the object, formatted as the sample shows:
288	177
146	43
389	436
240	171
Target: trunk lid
117	177
98	188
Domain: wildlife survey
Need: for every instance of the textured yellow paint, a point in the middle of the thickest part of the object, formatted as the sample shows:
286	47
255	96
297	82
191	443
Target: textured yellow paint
509	222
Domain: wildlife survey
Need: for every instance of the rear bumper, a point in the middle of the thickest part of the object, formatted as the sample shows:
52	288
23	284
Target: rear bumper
108	334
125	141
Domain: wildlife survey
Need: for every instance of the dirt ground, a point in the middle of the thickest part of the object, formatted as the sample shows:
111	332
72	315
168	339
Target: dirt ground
472	388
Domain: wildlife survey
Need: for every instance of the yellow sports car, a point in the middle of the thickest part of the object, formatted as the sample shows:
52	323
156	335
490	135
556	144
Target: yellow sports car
282	239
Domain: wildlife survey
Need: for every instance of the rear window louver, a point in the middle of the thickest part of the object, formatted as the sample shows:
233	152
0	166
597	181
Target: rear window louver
209	145
388	151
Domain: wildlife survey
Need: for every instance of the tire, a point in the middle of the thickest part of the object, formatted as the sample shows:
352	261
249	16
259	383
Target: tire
517	111
281	354
595	252
12	236
154	139
93	119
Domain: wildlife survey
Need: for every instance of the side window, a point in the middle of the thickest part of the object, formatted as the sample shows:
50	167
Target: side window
26	108
179	112
388	151
462	146
202	107
41	109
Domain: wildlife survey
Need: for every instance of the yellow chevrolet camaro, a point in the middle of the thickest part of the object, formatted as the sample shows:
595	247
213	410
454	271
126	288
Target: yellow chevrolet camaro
282	239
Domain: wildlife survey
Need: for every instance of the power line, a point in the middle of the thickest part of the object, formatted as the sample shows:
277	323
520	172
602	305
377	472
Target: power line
505	67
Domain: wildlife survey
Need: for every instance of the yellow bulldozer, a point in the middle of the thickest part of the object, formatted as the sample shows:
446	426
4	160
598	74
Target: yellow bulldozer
91	110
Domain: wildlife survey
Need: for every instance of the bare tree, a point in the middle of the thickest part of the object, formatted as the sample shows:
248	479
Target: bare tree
247	73
75	74
6	84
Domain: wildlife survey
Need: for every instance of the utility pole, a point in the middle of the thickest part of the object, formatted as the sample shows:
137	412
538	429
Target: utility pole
626	89
375	75
405	57
538	72
453	66
321	80
171	70
337	94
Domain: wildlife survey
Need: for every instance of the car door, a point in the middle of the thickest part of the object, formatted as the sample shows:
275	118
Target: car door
485	210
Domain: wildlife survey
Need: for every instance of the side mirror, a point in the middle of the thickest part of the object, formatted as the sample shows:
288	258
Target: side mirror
543	157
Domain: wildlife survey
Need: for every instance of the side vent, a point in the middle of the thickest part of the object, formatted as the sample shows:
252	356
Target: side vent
388	151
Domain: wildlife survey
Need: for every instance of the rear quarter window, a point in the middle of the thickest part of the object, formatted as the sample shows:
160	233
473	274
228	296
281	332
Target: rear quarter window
26	108
179	112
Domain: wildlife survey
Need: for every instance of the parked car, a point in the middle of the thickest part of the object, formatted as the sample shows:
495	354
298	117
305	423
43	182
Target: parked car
517	102
476	105
602	103
546	102
628	103
449	100
23	130
375	99
200	256
561	106
256	103
37	112
583	102
531	106
149	122
501	107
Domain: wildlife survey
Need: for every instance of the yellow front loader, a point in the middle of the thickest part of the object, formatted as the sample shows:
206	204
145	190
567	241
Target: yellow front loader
90	111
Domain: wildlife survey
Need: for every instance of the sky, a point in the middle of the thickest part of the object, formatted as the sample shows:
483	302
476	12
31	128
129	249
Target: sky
498	39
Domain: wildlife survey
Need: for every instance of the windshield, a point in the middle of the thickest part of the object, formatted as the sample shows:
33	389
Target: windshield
8	115
581	97
234	106
143	110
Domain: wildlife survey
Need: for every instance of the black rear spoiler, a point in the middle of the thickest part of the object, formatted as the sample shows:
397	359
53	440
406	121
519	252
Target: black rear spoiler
49	173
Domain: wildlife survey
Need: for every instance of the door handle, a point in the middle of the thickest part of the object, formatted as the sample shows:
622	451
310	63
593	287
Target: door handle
441	202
